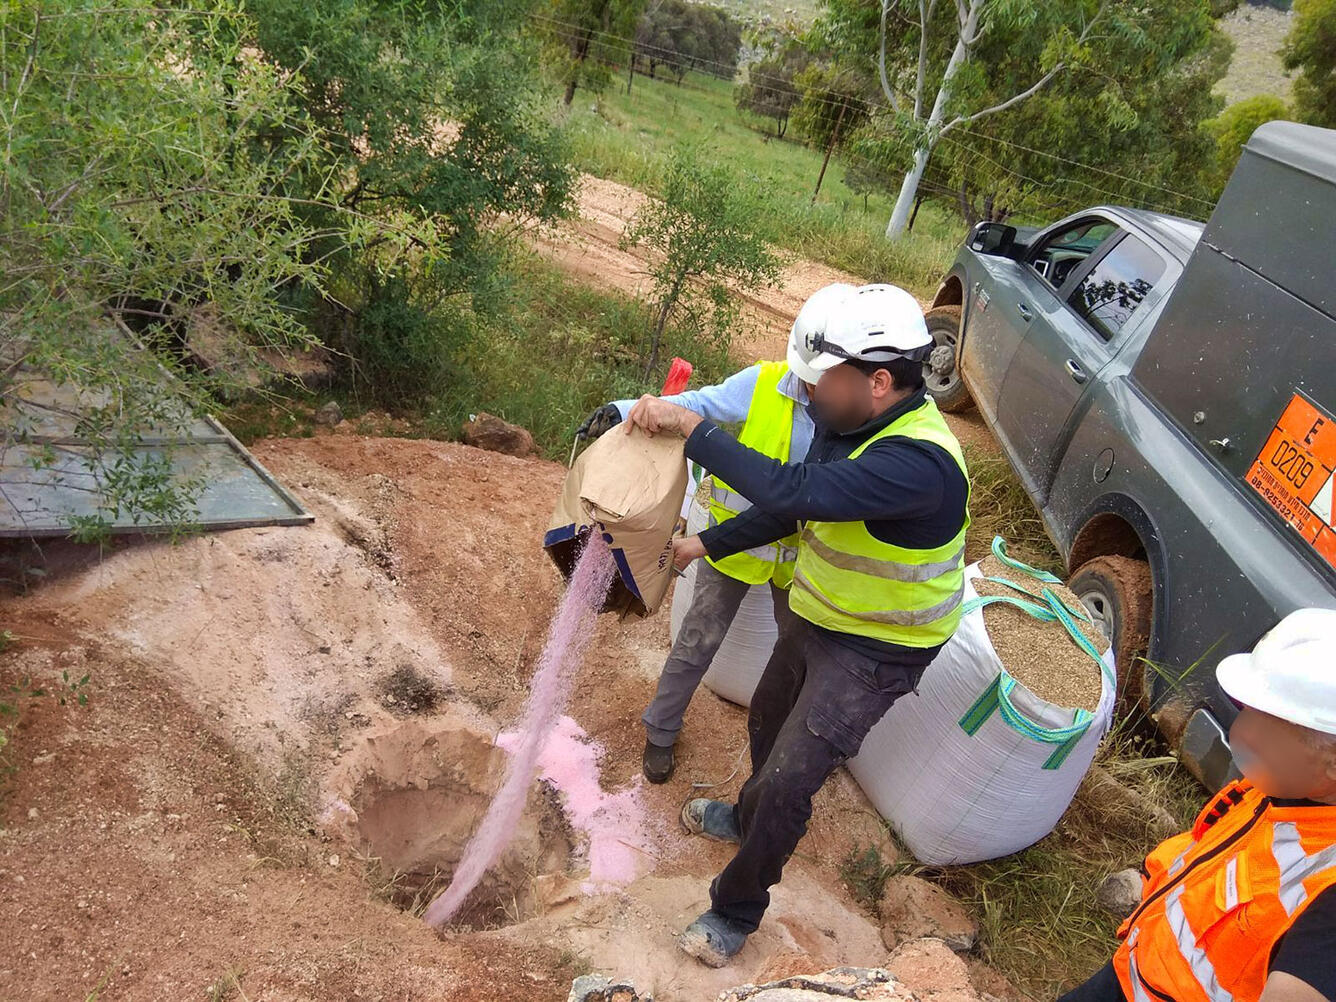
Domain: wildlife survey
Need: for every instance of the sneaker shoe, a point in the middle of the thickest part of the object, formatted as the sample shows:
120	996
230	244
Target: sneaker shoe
711	818
657	762
713	939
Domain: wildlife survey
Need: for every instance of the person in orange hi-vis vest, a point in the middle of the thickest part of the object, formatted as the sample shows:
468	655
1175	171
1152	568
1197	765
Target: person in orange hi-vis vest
1242	908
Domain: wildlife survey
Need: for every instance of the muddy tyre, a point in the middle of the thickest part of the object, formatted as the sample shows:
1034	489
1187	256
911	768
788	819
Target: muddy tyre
1118	593
946	387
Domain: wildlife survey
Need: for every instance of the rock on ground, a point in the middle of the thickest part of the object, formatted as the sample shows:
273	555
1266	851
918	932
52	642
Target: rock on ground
1118	808
596	988
486	431
329	414
912	908
842	982
1120	893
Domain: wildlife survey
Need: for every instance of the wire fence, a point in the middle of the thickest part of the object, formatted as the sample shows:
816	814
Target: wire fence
966	163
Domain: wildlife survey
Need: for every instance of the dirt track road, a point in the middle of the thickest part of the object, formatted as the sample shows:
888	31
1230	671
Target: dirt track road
588	248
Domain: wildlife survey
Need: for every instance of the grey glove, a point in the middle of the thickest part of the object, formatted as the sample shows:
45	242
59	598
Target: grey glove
602	420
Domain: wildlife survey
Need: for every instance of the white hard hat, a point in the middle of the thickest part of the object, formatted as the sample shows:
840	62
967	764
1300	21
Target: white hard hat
875	323
810	323
1291	673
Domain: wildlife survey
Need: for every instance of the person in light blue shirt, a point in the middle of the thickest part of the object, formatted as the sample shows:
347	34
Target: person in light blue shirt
721	586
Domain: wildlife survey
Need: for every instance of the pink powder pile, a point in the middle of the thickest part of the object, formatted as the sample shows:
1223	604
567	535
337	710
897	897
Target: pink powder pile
620	846
567	638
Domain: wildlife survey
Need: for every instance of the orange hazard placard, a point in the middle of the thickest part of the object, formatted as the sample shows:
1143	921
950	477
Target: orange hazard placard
1294	473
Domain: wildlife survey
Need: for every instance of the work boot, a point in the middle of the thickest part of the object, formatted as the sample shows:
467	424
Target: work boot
713	939
711	818
657	762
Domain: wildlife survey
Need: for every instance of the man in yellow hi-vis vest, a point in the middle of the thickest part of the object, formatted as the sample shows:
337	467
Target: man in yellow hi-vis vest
770	401
883	502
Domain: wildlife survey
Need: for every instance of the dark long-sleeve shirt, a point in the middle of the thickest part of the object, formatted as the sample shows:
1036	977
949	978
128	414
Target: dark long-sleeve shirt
908	492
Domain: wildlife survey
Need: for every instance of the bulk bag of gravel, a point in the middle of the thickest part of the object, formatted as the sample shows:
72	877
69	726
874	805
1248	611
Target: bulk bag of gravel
983	759
746	648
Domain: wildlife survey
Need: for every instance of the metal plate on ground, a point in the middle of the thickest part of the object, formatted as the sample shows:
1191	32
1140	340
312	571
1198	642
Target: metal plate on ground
48	483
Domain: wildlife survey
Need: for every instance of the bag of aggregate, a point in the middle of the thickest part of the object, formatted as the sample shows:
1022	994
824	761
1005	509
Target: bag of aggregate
750	638
985	757
628	487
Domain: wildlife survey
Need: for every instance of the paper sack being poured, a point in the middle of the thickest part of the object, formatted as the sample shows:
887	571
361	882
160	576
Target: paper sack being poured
629	488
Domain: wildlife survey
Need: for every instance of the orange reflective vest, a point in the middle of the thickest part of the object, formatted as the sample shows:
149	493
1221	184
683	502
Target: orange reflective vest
1217	899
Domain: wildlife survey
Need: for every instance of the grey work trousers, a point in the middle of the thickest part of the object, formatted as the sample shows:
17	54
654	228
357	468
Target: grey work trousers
811	710
713	605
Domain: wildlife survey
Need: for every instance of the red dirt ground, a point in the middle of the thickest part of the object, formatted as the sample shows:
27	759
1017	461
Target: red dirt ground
167	834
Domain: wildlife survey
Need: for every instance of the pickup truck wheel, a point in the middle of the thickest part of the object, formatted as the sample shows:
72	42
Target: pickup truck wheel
940	372
1118	593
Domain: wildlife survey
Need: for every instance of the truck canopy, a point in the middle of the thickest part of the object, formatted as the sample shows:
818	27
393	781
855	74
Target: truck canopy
1246	348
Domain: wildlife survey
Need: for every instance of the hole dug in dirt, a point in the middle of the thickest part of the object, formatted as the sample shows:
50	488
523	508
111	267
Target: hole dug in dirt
411	797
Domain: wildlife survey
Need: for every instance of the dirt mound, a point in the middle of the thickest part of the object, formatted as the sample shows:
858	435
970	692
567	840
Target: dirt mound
282	634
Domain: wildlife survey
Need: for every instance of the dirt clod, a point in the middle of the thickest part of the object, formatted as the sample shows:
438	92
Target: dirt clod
486	431
912	908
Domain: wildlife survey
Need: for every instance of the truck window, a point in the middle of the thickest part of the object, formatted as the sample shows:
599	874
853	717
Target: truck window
1116	286
1060	254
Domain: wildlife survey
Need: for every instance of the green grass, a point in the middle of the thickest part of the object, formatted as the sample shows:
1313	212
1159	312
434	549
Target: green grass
999	506
628	138
560	349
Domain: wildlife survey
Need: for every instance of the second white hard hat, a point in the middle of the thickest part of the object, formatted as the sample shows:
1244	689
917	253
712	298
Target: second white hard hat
1290	673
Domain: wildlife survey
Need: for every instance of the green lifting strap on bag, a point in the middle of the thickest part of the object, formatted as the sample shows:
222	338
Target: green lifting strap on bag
997	698
1049	608
1000	551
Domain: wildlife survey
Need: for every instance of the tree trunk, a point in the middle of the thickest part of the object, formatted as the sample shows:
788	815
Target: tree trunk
665	308
969	212
579	49
631	73
909	189
904	202
913	215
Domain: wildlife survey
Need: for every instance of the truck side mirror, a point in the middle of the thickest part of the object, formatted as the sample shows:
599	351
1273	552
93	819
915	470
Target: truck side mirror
992	238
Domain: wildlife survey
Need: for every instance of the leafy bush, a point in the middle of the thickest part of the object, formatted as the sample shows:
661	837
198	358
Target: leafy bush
1233	127
702	233
428	123
561	349
134	181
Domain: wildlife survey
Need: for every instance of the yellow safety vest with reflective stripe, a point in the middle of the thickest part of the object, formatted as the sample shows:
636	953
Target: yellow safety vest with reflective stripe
1217	900
769	430
849	581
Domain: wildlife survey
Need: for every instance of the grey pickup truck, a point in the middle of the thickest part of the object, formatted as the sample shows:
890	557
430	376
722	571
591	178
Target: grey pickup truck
1166	392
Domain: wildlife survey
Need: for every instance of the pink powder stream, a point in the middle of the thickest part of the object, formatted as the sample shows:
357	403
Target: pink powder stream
568	637
621	846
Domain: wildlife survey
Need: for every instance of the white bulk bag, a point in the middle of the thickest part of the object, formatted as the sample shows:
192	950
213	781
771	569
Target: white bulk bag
747	645
973	765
